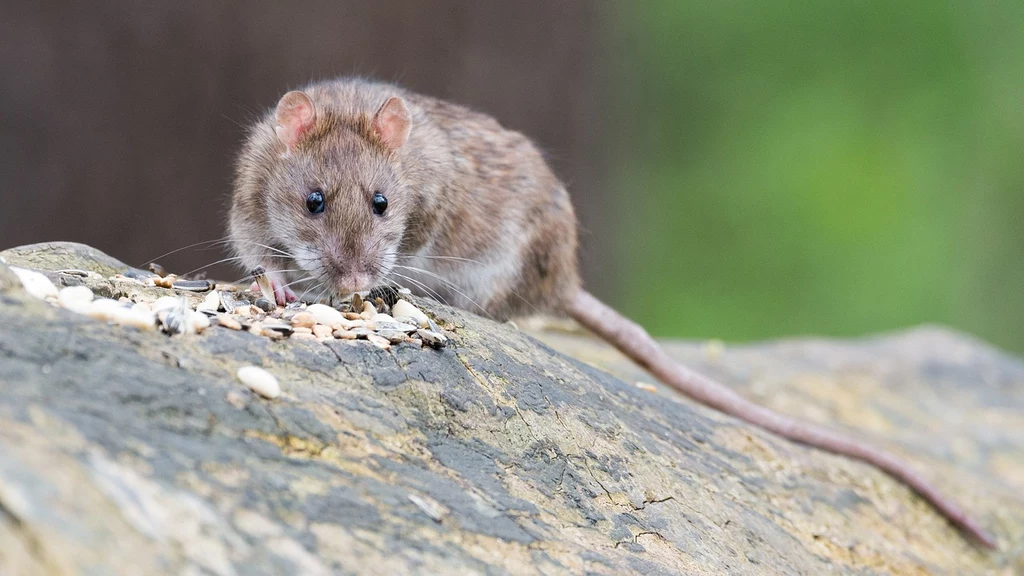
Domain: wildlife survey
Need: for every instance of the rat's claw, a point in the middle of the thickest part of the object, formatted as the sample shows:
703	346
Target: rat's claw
284	294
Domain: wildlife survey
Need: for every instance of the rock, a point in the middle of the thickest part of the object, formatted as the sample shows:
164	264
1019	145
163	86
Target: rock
35	283
127	452
325	314
403	309
259	381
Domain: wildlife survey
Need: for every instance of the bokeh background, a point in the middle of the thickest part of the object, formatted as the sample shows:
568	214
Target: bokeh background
743	170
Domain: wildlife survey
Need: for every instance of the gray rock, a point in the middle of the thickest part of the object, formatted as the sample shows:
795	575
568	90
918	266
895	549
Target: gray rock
129	452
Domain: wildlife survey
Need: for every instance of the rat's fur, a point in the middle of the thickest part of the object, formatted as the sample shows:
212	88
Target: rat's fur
476	217
449	212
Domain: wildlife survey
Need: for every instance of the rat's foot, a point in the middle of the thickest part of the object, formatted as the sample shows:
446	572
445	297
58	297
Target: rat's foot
282	293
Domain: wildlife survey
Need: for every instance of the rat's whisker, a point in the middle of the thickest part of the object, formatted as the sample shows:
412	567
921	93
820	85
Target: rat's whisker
451	285
204	242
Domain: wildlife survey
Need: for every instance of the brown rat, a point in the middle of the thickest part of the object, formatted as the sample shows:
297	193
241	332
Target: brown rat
350	184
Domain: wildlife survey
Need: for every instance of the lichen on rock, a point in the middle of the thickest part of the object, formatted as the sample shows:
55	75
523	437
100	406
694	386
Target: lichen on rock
125	451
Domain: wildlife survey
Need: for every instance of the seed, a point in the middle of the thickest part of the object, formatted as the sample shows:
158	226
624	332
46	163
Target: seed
198	322
344	334
259	381
265	305
405	308
304	320
325	314
386	294
378	341
157	269
357	303
166	303
322	331
393	336
193	285
397	326
646	387
129	317
165	281
211	303
381	318
74	295
228	322
301	330
35	283
431	338
259	274
302	336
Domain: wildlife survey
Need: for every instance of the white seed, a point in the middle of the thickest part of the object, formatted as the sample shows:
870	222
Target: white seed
198	322
35	283
378	341
381	318
74	295
166	303
345	334
259	381
393	336
406	309
382	326
135	319
142	307
211	303
647	387
369	311
431	338
325	314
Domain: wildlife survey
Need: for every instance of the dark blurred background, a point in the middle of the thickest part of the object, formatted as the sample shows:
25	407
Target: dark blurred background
742	170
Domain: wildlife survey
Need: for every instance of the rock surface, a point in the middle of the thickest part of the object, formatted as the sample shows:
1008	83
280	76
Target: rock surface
129	452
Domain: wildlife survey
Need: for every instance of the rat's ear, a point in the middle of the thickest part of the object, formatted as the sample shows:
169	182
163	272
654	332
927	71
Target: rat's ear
295	116
392	123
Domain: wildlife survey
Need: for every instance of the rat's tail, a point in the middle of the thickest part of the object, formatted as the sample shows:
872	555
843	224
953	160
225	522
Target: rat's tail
639	346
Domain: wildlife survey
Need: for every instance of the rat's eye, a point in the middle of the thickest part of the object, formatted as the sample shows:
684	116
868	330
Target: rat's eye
380	203
315	201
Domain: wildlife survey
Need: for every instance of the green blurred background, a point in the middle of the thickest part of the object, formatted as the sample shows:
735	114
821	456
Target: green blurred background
742	170
835	168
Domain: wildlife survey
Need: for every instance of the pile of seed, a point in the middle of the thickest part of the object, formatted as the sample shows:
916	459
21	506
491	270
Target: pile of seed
384	321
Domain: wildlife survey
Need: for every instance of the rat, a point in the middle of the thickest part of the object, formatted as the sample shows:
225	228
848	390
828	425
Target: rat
350	184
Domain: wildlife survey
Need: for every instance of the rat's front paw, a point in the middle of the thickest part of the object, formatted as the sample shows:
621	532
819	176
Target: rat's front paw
282	293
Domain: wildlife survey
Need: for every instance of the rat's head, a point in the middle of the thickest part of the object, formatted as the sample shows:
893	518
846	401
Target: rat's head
340	204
